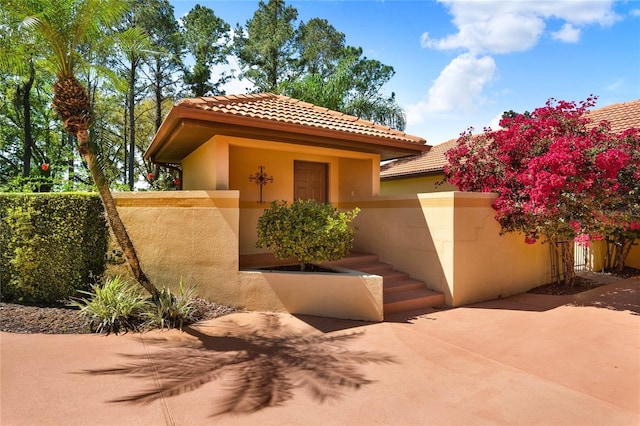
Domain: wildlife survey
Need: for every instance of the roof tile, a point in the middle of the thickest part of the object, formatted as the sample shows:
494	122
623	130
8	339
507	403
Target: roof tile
269	106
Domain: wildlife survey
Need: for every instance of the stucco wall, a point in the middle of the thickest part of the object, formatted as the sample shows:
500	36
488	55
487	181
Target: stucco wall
194	236
598	252
634	256
415	185
190	235
207	167
348	173
418	233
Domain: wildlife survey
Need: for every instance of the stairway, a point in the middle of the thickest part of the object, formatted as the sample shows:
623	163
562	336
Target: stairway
401	292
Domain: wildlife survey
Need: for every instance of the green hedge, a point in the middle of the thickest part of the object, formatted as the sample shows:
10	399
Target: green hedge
53	244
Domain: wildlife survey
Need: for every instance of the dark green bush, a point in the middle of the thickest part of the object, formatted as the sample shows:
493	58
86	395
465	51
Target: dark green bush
307	230
53	245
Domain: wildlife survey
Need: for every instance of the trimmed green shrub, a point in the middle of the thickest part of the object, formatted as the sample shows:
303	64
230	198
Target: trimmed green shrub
306	230
53	245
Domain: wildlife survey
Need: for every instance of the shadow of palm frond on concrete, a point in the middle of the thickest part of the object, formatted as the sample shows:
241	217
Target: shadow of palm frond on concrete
259	364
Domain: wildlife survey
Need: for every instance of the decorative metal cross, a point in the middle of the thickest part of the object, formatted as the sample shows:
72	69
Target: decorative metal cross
261	178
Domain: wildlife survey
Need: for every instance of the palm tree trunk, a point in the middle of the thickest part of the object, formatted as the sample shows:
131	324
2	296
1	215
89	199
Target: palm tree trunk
117	226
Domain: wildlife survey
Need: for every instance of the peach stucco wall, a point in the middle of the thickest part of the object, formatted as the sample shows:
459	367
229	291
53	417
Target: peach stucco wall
226	162
598	253
415	185
453	243
194	236
633	259
189	235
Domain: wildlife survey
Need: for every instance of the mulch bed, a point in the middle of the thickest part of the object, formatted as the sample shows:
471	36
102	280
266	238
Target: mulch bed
17	318
581	284
296	268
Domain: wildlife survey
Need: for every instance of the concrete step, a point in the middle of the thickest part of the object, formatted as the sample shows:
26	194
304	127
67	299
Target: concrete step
401	292
412	300
404	284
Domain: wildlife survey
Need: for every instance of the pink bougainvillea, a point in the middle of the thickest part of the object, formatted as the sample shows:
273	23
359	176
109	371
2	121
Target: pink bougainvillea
557	176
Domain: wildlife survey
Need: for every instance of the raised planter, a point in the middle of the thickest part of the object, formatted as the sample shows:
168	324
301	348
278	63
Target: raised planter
344	294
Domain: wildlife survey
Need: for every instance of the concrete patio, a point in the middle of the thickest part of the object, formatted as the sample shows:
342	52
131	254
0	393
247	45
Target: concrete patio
527	359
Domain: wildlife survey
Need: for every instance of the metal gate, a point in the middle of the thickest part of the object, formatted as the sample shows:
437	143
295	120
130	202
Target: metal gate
581	258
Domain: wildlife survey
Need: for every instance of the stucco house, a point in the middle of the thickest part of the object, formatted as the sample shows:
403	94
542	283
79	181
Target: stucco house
238	153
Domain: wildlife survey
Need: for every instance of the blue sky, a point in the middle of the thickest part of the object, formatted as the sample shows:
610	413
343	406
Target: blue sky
461	63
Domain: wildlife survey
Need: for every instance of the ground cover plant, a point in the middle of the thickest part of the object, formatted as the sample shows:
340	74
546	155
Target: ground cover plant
558	177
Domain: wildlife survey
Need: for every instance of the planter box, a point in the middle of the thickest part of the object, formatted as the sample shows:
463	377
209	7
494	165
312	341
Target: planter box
347	294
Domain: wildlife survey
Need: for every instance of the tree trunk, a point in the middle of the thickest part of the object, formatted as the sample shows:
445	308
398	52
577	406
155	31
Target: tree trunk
562	262
113	216
132	127
28	135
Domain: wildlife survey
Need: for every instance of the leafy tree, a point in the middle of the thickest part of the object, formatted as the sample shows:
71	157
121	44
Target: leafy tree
32	150
352	86
205	35
320	46
555	178
164	61
265	47
617	181
313	64
70	28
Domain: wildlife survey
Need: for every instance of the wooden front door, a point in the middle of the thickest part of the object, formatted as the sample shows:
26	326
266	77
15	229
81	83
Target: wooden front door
310	181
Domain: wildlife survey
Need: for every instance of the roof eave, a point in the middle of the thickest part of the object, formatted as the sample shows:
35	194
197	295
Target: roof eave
222	123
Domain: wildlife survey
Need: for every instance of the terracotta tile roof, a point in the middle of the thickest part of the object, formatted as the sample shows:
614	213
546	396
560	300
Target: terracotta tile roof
621	116
283	109
425	163
269	117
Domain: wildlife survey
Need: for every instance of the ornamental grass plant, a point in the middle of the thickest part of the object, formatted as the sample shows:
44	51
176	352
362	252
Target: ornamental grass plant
120	306
172	311
113	306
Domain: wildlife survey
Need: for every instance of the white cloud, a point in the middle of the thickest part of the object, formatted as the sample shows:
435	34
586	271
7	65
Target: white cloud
615	85
491	27
568	33
495	122
499	26
235	86
635	12
492	34
458	87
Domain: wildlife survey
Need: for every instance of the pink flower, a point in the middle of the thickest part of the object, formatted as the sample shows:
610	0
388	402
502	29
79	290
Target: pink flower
611	161
530	240
575	225
583	240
